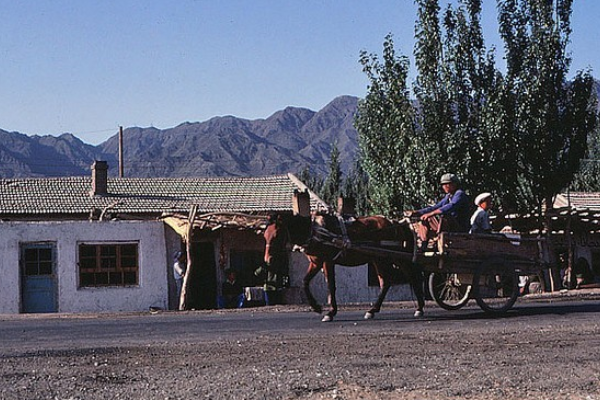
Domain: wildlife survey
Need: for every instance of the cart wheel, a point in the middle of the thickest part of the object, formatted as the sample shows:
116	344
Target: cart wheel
496	286
448	291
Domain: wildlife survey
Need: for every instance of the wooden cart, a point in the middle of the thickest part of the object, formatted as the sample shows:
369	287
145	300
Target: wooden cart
484	267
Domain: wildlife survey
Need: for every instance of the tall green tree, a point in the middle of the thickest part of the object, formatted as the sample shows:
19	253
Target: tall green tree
587	178
462	97
520	134
386	129
434	118
332	185
553	117
356	186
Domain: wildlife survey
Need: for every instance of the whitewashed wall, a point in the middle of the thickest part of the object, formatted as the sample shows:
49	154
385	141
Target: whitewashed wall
152	289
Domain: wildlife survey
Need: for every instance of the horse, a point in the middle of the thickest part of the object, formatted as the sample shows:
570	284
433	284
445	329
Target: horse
306	233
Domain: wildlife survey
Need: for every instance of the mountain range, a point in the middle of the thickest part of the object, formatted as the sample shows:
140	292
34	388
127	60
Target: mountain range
290	140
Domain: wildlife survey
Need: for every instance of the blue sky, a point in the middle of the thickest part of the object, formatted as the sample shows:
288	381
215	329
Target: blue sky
87	66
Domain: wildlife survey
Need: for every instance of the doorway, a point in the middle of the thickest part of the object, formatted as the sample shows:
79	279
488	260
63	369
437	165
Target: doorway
203	282
38	278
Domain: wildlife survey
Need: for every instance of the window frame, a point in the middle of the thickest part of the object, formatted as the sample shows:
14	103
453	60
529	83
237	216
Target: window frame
26	247
108	264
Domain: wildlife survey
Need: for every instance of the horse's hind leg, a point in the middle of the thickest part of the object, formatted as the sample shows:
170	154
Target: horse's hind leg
313	269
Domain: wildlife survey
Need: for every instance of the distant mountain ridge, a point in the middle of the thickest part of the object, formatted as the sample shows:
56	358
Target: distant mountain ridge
287	141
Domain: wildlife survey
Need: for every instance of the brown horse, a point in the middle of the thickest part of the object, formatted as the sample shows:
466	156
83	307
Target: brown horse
308	233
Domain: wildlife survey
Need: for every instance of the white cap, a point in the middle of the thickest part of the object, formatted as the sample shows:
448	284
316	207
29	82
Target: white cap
479	199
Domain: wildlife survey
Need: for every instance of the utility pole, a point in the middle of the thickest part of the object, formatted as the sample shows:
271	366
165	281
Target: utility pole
120	152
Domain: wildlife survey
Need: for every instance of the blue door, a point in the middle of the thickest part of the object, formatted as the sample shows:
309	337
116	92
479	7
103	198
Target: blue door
38	278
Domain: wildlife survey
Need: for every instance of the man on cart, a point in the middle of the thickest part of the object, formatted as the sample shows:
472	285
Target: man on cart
450	214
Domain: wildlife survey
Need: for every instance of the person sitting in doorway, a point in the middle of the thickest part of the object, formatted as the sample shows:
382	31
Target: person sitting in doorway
232	293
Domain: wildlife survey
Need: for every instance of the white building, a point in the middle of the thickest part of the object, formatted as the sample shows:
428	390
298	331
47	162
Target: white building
94	244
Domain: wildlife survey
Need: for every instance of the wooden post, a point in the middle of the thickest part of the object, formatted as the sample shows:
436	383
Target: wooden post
121	152
184	301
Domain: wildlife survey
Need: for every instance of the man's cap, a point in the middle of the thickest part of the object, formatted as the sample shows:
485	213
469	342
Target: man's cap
449	178
482	197
177	255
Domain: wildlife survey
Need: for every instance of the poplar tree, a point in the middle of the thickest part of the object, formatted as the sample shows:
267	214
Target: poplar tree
519	134
356	186
553	117
311	179
386	132
332	186
587	178
434	118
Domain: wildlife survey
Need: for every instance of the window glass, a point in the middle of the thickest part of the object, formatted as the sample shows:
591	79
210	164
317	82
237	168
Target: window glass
37	260
108	264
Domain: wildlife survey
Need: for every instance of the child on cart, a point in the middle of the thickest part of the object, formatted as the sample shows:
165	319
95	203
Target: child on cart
480	220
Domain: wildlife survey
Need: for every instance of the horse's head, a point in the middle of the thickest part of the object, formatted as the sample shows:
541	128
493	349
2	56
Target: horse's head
275	239
284	230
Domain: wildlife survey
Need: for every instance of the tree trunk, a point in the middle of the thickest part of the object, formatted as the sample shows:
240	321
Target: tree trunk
184	299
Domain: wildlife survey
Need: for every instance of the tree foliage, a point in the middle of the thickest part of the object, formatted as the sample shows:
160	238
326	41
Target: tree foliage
587	178
332	185
356	186
387	130
520	134
311	179
553	117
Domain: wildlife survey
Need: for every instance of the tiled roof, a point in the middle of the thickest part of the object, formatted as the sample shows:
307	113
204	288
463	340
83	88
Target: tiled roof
578	200
48	196
576	211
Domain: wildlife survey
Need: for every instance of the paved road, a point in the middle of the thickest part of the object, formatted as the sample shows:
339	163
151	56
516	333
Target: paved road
539	350
30	333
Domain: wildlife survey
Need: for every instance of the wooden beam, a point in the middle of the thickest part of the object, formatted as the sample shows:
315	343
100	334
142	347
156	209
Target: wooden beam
184	299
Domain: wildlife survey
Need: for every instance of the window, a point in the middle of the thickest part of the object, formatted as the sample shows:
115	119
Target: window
38	259
108	264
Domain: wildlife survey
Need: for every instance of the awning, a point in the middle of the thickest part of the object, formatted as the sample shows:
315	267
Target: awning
213	221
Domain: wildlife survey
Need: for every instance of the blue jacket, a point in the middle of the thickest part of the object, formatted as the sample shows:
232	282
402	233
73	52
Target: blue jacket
456	205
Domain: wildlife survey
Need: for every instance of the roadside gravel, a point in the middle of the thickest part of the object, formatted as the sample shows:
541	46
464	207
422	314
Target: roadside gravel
481	361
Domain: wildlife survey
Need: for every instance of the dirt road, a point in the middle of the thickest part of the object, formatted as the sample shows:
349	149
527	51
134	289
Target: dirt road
540	351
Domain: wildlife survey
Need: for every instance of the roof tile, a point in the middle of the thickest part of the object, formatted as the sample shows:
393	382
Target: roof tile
71	195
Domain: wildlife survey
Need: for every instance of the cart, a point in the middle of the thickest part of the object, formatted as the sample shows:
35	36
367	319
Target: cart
484	267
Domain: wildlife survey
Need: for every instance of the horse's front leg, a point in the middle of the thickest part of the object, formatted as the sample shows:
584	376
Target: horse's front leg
384	287
313	269
329	271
